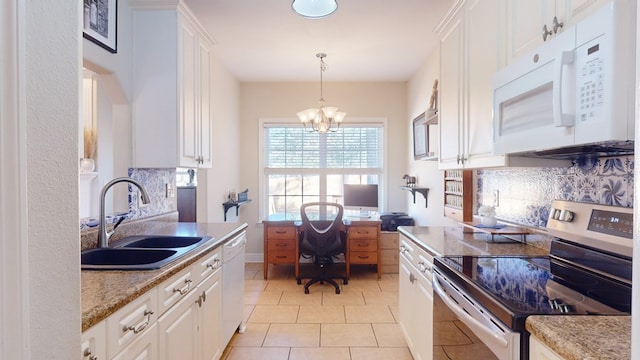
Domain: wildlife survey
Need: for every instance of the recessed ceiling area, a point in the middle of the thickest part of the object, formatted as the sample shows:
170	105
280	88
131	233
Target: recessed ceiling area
365	40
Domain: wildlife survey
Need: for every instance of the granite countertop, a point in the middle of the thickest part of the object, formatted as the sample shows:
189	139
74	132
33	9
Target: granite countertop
584	337
104	292
440	241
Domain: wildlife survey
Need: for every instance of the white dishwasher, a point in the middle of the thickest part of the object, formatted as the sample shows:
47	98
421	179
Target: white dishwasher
233	286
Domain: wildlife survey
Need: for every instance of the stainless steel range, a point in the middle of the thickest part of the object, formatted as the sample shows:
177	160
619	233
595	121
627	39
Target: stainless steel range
588	272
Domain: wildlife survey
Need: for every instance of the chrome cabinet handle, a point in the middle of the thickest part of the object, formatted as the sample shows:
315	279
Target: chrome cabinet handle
138	328
412	278
556	25
184	289
87	353
424	267
403	249
215	265
546	32
202	298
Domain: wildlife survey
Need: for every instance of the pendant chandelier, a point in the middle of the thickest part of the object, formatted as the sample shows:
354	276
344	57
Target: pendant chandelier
314	9
324	118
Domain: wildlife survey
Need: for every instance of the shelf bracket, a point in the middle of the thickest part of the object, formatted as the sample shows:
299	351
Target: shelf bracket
414	190
229	204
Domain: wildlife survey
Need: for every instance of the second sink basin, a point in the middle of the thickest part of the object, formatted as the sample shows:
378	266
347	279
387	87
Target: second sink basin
157	242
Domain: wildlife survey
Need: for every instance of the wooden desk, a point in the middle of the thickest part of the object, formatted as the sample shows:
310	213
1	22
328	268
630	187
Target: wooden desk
281	243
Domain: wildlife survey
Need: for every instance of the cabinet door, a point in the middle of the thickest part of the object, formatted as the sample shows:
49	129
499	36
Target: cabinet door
482	62
451	94
178	329
187	94
577	10
94	342
406	292
525	20
205	53
211	317
144	347
424	319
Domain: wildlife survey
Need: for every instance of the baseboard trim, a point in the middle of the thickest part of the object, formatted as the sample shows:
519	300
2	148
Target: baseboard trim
254	257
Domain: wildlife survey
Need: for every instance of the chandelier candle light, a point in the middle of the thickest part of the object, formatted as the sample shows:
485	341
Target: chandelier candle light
321	119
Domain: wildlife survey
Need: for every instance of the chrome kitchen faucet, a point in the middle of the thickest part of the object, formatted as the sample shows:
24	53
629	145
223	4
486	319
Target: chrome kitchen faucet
103	234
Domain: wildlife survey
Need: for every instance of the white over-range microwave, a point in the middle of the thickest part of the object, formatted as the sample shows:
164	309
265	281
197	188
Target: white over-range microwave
574	94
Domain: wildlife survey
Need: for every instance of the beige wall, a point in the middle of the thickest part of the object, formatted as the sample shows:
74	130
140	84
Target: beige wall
214	183
283	100
419	91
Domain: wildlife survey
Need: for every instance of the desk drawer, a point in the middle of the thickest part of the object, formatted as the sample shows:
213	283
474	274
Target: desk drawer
281	232
363	257
282	257
363	232
277	245
363	245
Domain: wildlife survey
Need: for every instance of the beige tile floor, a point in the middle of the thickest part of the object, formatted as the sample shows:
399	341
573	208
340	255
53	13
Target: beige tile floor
284	323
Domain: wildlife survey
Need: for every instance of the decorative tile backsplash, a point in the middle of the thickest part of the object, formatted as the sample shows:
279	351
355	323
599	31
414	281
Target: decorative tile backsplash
525	195
154	181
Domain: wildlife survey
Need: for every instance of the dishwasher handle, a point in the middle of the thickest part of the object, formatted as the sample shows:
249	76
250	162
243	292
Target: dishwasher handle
466	318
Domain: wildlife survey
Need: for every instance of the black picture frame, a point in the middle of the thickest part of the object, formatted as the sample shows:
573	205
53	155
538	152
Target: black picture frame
100	23
420	137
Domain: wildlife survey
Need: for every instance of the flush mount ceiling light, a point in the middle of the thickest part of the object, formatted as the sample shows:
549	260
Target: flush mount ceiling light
314	9
323	118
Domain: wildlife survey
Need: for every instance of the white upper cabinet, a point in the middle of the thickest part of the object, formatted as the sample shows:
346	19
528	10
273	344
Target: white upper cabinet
173	60
469	56
528	21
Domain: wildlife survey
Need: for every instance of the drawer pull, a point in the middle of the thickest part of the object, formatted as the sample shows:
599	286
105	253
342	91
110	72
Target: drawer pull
281	256
185	289
281	231
87	353
282	244
363	257
215	265
140	327
363	244
424	267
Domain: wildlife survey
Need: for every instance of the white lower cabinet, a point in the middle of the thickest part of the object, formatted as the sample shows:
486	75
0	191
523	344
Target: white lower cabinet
93	344
539	351
144	347
191	328
416	299
131	322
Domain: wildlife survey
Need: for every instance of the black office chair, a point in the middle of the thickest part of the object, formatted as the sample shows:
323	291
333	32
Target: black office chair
322	240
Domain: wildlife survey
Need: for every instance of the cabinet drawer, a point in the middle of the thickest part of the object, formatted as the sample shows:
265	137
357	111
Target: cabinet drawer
175	288
363	245
281	244
130	322
363	232
363	257
281	232
453	213
282	257
208	265
389	240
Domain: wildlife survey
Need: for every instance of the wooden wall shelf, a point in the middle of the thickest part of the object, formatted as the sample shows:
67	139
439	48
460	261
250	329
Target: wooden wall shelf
414	190
229	204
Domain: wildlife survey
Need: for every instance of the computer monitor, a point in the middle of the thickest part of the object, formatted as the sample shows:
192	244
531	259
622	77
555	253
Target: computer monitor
363	197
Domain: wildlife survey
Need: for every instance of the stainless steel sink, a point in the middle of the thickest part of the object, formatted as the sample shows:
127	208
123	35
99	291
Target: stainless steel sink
162	241
140	252
127	258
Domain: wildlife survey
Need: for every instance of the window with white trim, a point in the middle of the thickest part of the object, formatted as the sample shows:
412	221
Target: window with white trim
302	166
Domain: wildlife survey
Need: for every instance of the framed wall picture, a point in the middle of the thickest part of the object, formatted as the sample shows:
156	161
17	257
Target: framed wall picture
420	137
100	23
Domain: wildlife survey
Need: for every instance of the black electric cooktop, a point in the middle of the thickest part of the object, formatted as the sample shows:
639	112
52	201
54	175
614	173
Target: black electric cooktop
513	287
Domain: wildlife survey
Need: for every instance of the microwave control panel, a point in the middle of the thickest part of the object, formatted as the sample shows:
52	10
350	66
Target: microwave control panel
591	82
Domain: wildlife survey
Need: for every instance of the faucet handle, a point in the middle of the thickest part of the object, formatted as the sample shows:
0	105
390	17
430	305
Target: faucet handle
113	230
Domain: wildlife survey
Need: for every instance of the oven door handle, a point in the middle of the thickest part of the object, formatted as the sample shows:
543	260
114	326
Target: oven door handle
470	321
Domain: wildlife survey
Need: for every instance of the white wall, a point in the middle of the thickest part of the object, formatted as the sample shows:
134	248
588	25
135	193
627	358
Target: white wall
284	100
214	183
419	92
52	70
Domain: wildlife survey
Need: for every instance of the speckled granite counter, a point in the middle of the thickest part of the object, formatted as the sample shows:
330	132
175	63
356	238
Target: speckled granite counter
439	241
584	337
104	292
